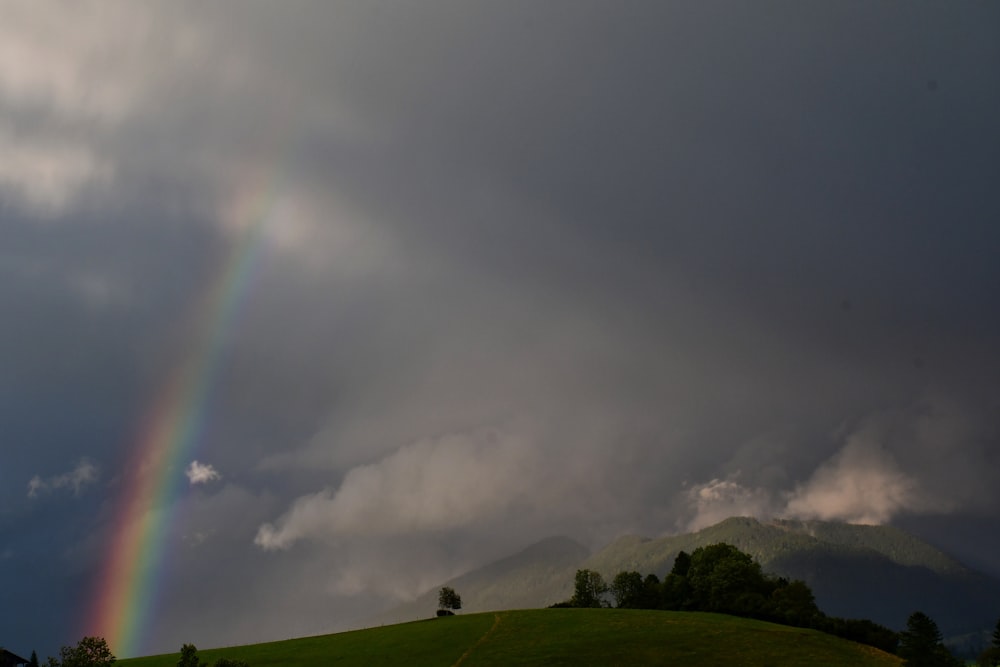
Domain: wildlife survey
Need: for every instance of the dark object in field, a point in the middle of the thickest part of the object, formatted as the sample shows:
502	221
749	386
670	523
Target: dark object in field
445	612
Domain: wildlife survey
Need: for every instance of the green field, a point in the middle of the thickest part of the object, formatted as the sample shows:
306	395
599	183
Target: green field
558	637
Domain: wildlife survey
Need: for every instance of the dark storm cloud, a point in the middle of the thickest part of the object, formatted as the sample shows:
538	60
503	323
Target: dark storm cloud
768	177
527	269
761	228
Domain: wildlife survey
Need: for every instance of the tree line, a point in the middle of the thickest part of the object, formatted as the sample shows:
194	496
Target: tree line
721	578
94	652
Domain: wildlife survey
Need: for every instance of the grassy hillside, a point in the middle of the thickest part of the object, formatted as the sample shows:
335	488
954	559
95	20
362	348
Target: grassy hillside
559	637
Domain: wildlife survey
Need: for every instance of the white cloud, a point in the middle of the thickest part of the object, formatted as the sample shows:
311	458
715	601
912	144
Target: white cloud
432	484
48	175
86	58
201	473
861	483
880	472
79	81
720	499
84	473
904	461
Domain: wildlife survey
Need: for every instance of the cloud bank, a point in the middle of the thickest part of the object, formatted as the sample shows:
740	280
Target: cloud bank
894	463
430	485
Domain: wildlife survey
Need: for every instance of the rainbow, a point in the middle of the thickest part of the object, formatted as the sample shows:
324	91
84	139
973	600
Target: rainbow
127	587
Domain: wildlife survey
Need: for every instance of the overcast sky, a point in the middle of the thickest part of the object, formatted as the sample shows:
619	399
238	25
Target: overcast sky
526	268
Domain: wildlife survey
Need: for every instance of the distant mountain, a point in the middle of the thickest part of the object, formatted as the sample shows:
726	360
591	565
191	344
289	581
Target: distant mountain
537	576
774	541
876	572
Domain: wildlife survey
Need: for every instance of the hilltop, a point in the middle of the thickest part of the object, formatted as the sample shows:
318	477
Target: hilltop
559	637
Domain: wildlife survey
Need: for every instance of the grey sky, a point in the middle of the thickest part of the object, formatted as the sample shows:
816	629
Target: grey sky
578	268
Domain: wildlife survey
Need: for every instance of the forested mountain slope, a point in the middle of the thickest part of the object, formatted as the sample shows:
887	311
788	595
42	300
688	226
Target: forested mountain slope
876	572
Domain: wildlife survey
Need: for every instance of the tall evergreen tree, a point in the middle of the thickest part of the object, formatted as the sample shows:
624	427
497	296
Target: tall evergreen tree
682	563
991	656
33	660
920	645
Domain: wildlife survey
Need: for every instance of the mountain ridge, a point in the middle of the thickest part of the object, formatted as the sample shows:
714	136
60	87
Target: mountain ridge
855	571
767	541
519	581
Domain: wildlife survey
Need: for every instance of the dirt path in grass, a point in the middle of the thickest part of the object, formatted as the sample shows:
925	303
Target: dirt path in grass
496	623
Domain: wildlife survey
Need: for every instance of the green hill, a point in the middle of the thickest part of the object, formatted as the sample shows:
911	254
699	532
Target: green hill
559	637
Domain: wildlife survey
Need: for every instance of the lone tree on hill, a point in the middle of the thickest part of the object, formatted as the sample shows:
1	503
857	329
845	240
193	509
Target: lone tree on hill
449	599
920	644
189	657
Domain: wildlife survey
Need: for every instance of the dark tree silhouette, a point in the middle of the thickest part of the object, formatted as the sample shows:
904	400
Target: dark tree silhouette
920	644
89	652
682	564
189	657
652	592
627	589
724	579
793	602
991	656
449	599
589	589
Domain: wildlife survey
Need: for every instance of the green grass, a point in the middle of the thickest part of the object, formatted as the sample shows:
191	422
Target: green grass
559	637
